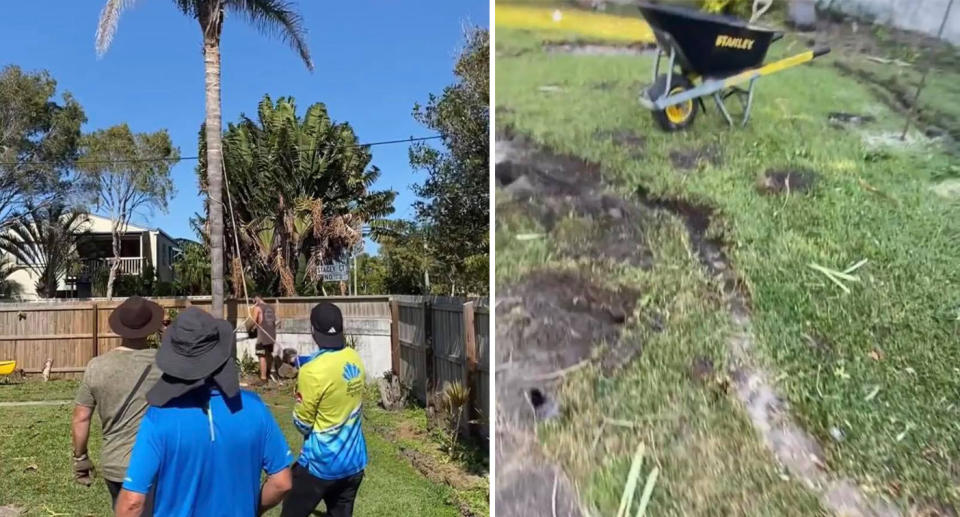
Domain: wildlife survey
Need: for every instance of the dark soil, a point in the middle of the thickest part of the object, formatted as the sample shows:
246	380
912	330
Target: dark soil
549	187
686	160
616	232
786	181
554	320
702	369
548	322
557	318
841	119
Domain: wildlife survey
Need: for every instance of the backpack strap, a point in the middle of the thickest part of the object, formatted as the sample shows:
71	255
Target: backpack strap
136	388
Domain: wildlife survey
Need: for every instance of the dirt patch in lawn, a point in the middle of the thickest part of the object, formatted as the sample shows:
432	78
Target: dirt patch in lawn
440	472
899	97
841	119
690	159
550	187
599	49
547	325
553	322
786	181
550	323
557	318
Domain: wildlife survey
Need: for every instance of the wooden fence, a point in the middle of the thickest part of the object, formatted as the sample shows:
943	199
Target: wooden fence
434	340
441	340
72	333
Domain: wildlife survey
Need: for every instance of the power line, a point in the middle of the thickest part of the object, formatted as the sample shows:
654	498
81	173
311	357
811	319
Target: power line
191	158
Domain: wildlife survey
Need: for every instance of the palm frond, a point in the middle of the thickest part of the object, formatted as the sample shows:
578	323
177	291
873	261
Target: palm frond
8	288
278	18
107	25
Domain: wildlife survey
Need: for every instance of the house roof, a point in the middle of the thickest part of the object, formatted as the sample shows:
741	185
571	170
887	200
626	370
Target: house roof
101	224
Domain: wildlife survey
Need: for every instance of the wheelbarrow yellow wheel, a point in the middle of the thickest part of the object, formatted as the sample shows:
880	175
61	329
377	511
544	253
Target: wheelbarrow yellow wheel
678	116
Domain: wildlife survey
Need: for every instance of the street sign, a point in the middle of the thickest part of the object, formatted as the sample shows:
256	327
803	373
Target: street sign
338	272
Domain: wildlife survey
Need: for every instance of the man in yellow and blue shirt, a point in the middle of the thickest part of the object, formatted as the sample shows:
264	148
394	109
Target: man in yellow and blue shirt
327	411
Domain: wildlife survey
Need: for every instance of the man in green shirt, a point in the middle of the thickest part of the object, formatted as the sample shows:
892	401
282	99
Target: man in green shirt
115	386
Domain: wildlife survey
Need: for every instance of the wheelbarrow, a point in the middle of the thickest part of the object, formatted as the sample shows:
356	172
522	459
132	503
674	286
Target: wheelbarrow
708	55
7	367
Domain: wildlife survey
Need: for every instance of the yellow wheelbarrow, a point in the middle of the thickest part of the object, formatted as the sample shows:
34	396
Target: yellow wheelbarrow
7	367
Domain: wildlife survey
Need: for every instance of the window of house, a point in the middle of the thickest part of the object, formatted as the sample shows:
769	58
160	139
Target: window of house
130	247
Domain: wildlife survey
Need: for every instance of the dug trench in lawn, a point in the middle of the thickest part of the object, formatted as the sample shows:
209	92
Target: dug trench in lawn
570	339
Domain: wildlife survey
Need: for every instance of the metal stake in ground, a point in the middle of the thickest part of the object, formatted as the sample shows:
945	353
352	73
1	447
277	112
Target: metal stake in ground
926	71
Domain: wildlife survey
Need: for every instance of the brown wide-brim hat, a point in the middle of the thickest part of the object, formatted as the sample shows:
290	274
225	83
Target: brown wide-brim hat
136	318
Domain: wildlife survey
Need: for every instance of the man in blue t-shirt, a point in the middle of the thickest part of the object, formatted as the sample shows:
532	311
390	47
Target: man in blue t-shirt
203	443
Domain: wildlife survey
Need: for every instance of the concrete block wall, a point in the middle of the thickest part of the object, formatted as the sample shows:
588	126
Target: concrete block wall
924	16
371	337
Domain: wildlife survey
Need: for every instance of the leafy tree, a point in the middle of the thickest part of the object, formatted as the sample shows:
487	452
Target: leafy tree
190	269
119	171
39	137
274	17
8	288
456	194
45	239
371	275
300	189
405	253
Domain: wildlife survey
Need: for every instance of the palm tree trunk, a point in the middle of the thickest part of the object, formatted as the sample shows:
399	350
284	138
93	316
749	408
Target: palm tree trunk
211	61
287	282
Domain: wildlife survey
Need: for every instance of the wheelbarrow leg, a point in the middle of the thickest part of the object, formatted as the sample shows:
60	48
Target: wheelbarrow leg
673	57
746	111
722	107
656	65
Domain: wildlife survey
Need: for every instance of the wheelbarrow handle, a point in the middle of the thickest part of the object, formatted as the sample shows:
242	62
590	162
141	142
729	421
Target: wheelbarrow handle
817	52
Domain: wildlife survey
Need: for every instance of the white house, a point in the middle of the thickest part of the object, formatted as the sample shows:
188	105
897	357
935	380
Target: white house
139	247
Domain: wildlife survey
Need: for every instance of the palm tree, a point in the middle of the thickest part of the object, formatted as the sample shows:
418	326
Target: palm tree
301	190
45	240
270	17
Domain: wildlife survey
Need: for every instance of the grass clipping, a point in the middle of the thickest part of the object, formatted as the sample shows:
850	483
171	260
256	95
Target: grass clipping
626	500
838	277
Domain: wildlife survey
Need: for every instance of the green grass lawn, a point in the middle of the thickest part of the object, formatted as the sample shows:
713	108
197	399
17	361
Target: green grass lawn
710	462
35	468
877	364
35	389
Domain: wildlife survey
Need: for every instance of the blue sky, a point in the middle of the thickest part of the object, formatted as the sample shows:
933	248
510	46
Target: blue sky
374	59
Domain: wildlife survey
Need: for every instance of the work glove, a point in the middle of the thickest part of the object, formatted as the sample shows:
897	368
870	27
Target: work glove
83	470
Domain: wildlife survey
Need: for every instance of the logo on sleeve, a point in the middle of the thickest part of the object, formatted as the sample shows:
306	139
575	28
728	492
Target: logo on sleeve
299	397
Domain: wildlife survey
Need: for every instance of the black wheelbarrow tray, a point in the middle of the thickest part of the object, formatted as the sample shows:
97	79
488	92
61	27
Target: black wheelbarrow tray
715	55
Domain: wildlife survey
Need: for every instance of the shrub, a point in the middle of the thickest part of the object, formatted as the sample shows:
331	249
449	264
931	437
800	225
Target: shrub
742	8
